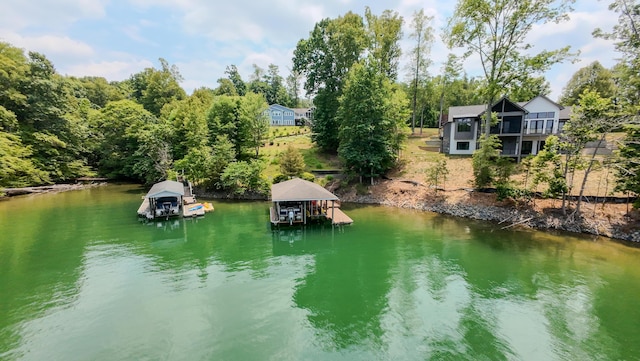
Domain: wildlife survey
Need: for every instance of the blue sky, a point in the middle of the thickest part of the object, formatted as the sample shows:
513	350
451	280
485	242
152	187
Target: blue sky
117	38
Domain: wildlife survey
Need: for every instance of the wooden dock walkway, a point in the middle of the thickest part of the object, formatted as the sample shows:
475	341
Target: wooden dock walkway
338	217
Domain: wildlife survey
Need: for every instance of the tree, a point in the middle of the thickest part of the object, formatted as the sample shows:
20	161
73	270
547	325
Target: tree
253	109
627	36
244	177
422	34
371	116
450	71
437	174
119	125
325	58
222	155
16	168
628	171
236	79
496	31
291	162
525	88
293	88
385	32
593	77
275	92
484	161
242	120
188	120
225	87
591	121
154	88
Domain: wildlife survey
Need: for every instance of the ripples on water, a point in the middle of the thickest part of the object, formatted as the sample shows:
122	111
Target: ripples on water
81	279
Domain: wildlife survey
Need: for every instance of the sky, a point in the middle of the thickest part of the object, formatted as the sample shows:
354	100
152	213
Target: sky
117	38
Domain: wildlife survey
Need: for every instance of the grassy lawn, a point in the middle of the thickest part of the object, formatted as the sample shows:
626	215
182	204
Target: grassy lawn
299	138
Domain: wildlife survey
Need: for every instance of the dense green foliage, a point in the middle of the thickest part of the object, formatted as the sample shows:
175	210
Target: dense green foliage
372	117
291	162
56	128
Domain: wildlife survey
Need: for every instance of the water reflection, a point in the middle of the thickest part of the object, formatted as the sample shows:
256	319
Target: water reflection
96	284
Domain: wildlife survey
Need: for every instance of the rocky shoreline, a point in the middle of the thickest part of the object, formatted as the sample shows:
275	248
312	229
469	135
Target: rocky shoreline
505	216
12	192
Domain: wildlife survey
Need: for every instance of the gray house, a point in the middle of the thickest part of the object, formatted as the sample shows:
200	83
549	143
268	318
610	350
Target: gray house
522	127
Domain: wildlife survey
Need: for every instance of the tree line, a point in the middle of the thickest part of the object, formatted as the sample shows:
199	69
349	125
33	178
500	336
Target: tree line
56	128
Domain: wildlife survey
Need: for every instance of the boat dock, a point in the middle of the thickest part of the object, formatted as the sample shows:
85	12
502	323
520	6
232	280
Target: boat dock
169	199
298	202
338	217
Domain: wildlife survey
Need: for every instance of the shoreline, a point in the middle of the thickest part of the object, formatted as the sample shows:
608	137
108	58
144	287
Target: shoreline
471	205
483	207
54	188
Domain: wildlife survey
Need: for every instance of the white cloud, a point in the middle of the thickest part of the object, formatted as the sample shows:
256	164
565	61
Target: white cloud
50	14
50	45
111	70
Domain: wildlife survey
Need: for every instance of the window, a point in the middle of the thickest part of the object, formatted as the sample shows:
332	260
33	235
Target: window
527	147
464	125
462	146
549	126
561	125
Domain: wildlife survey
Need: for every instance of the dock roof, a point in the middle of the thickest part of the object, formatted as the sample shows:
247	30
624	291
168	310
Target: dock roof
297	189
166	188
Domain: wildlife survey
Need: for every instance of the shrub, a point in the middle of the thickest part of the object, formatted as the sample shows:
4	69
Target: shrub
308	176
329	178
280	178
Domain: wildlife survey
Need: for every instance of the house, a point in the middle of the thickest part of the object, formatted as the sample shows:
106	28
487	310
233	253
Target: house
280	115
304	116
522	127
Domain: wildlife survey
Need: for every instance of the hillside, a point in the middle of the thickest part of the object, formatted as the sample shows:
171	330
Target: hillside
407	187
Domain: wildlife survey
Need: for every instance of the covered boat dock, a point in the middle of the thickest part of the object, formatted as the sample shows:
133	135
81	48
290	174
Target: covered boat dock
298	201
169	199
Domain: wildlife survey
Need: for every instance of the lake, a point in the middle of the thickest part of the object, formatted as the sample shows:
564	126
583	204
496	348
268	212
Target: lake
82	279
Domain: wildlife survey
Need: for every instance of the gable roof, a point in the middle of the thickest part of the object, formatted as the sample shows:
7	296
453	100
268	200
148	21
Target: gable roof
472	111
166	188
545	98
297	189
279	107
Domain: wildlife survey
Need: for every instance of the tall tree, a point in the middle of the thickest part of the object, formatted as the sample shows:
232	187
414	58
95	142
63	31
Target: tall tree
325	58
422	34
253	114
526	88
592	77
276	92
495	31
451	70
154	88
385	33
120	125
628	170
627	40
372	117
236	79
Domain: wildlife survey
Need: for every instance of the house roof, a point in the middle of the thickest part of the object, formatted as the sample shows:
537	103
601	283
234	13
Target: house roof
279	107
466	111
166	188
565	113
297	189
545	98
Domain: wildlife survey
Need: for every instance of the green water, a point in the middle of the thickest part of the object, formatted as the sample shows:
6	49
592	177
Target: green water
82	279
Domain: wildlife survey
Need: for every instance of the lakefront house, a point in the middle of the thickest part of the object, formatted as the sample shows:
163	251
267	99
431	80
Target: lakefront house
281	115
522	128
